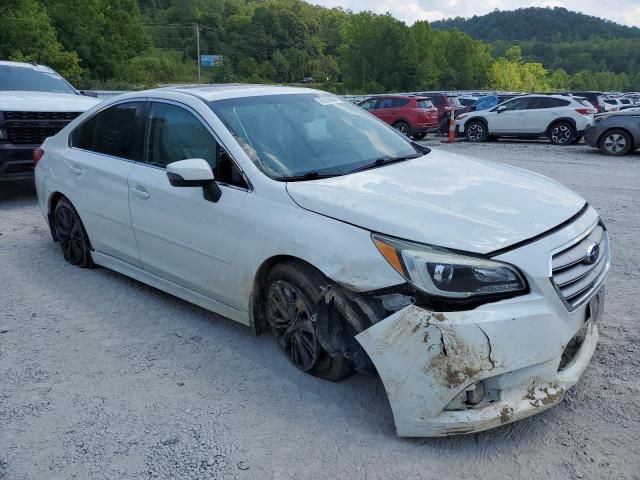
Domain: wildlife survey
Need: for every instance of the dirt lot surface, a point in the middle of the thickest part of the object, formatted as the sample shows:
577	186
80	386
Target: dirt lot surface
102	377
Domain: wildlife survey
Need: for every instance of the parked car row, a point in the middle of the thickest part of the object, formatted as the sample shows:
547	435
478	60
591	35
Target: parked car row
563	118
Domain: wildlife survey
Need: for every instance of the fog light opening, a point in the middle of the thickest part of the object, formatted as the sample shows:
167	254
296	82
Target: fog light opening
475	394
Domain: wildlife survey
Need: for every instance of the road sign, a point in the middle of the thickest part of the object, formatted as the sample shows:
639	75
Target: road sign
211	60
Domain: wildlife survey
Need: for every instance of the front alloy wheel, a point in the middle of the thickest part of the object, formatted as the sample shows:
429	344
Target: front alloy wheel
476	132
290	318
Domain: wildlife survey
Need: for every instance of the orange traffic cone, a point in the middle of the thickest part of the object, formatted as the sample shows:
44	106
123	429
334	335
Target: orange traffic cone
452	126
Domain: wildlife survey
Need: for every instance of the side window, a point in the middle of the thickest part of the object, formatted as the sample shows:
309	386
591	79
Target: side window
114	131
399	102
518	104
369	104
540	103
385	103
176	134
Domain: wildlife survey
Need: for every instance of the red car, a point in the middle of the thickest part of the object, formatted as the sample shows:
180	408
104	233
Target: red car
412	116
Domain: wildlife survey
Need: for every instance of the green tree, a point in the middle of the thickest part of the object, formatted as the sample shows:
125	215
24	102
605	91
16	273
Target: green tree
26	33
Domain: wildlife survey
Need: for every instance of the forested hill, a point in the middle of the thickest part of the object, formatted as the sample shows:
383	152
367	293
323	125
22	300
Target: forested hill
125	44
538	24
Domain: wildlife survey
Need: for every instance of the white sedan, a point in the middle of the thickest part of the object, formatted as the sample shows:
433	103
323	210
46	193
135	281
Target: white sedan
473	289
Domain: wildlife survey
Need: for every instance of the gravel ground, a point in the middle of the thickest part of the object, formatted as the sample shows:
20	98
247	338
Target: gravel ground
102	377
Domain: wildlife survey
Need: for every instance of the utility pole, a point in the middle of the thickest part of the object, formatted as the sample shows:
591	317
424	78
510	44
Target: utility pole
198	48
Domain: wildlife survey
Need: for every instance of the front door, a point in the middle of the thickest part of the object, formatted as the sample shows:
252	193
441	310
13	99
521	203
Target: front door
181	236
510	120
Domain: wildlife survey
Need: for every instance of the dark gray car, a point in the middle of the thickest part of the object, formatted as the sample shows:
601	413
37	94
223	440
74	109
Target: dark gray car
615	133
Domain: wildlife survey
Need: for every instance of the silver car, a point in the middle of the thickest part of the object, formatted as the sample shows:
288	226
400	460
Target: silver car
616	133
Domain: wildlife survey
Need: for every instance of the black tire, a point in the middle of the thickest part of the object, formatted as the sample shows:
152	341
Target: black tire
562	133
419	136
403	127
577	139
291	309
476	131
616	142
71	234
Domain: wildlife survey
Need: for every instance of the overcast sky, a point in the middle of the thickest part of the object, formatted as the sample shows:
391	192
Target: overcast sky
626	12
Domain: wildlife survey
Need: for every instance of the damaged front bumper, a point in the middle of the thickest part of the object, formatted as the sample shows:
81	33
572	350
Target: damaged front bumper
427	360
449	373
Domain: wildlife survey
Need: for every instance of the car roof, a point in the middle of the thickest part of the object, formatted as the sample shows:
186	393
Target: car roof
32	66
233	90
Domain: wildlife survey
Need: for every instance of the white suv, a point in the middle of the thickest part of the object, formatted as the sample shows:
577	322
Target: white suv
561	118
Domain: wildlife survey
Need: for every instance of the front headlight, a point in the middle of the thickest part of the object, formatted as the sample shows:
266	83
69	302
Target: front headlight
462	116
442	273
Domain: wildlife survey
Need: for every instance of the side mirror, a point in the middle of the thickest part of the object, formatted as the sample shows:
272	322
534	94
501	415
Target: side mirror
194	172
87	93
501	108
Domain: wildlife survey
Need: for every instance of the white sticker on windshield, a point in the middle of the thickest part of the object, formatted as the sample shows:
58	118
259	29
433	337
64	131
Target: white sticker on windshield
327	100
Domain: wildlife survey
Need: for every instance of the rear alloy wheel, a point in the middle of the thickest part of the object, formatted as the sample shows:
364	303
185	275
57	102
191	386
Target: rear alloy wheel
476	132
562	133
291	303
72	236
403	128
616	143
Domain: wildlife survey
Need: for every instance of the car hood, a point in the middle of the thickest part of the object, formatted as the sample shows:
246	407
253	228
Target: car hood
45	102
444	199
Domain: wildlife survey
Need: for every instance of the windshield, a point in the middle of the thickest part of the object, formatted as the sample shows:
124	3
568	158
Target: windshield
294	135
36	79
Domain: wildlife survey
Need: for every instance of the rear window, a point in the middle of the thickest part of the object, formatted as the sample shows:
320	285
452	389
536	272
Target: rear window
392	103
610	101
425	104
585	102
453	101
547	102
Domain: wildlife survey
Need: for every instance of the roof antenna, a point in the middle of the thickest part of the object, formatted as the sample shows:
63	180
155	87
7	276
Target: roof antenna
33	62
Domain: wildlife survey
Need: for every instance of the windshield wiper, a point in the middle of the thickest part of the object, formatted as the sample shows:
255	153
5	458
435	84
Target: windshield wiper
307	176
386	160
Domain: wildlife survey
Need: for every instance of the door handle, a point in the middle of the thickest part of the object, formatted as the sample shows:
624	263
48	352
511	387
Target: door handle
141	192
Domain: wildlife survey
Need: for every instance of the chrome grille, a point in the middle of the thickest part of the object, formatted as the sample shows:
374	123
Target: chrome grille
574	275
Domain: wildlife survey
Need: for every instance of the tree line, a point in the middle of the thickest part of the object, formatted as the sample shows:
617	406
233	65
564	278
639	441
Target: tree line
135	44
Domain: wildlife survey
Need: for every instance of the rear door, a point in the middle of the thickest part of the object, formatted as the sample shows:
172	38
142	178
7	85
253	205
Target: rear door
510	120
183	237
101	156
384	110
543	111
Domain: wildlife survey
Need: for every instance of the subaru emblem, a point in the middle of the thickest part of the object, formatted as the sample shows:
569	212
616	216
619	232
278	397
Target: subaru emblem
593	252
